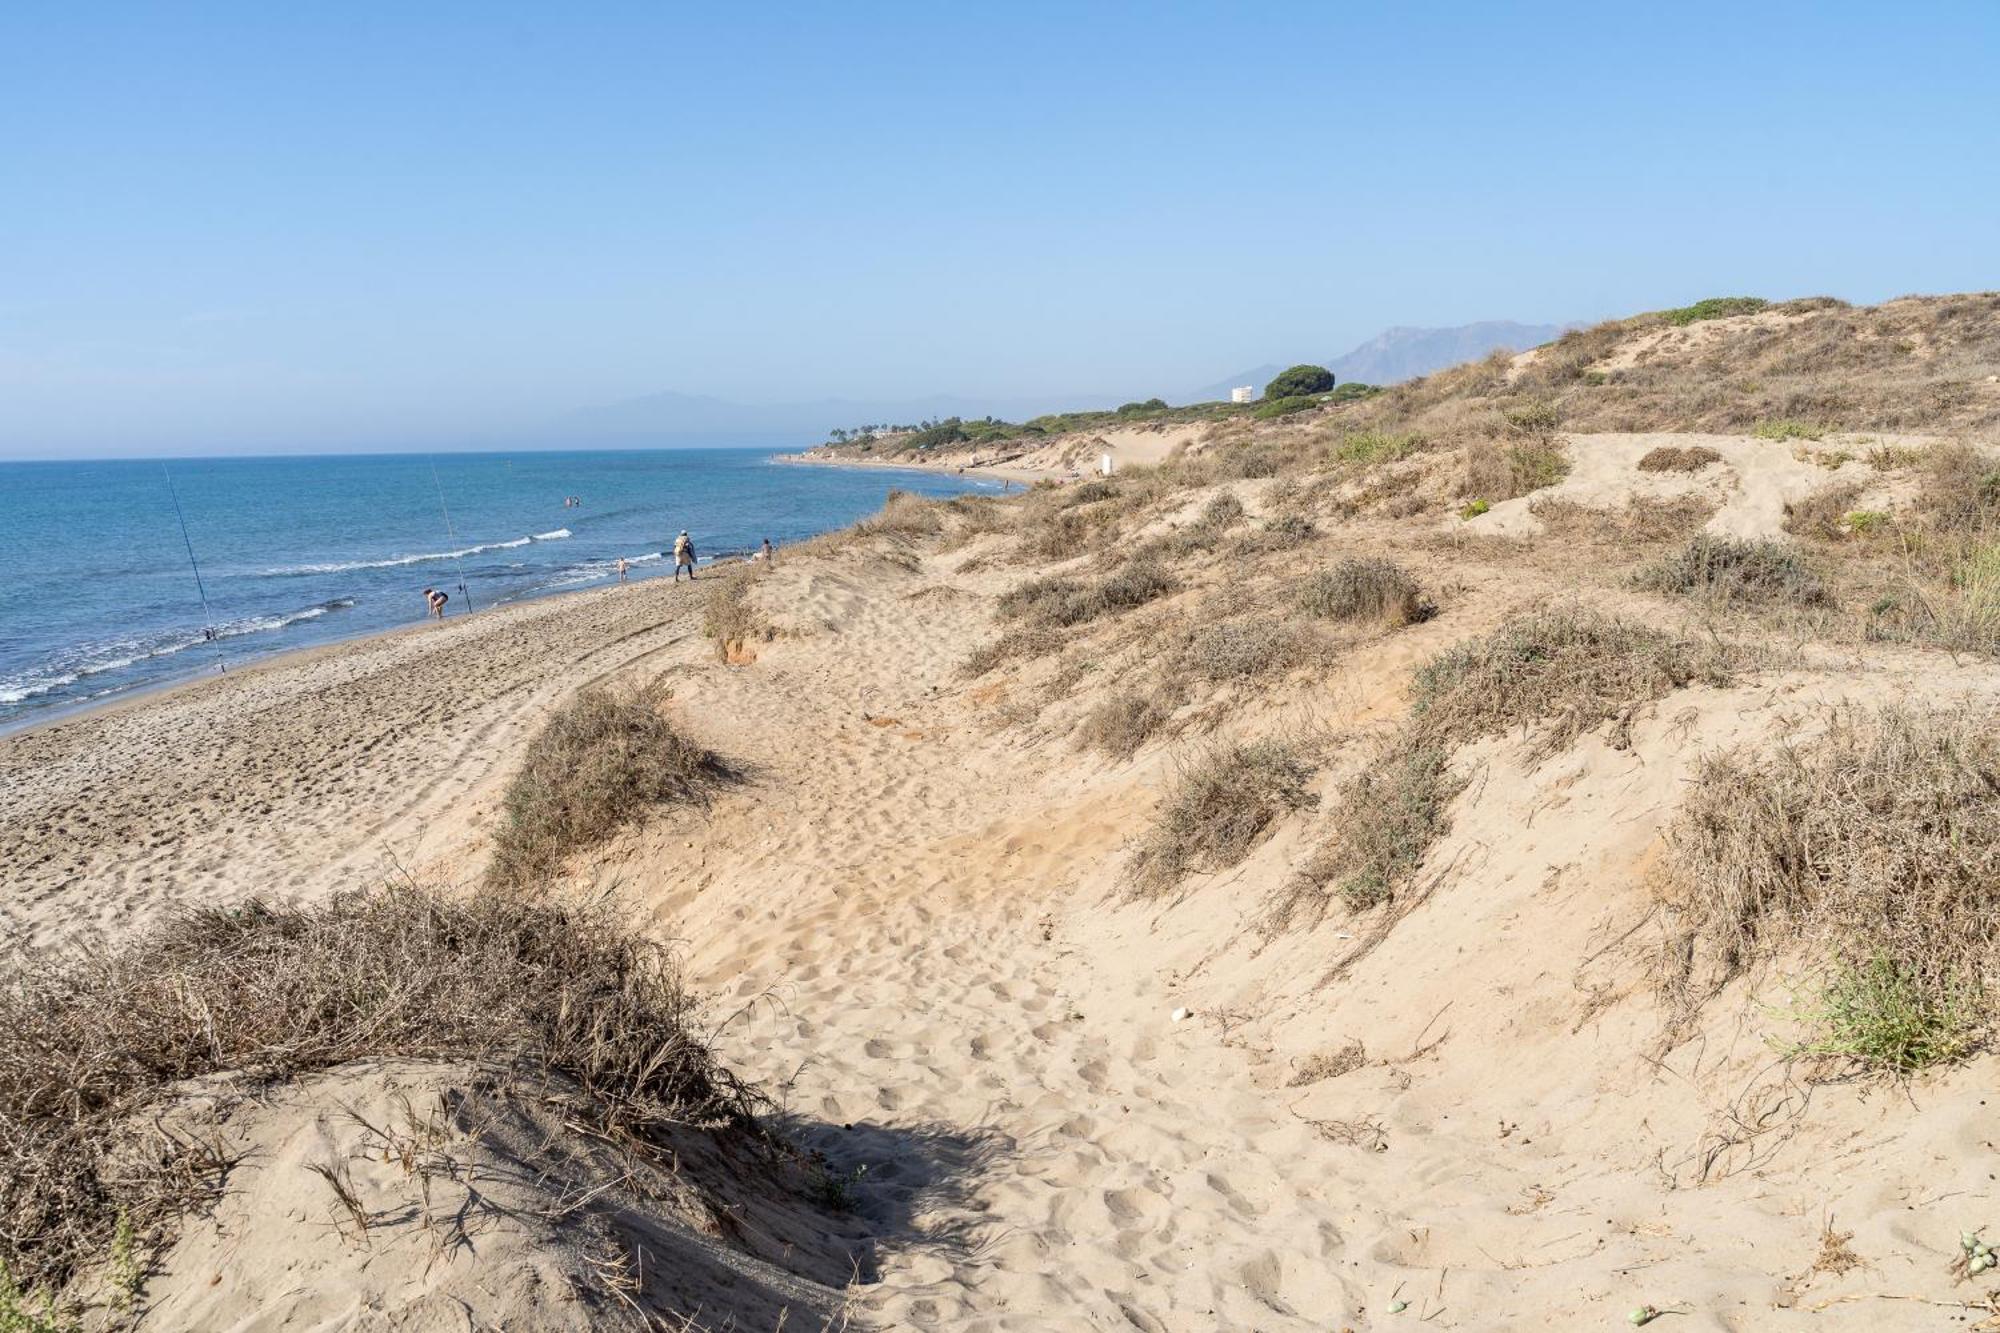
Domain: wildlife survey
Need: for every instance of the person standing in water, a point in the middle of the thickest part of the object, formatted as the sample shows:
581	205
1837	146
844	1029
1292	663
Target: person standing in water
621	569
683	556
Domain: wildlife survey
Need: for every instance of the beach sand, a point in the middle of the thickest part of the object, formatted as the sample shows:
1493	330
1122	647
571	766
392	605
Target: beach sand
1066	1107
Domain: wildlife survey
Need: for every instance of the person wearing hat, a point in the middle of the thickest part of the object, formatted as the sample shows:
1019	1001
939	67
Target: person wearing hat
683	556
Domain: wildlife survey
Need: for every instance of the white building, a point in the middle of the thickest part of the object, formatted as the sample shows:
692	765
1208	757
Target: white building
1244	394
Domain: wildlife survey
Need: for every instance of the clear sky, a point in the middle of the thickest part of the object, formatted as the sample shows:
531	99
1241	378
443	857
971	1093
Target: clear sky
276	226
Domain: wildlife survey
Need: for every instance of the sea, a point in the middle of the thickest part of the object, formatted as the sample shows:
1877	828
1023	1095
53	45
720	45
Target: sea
123	575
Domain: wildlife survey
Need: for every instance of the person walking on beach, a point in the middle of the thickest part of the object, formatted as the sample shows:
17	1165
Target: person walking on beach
621	569
683	556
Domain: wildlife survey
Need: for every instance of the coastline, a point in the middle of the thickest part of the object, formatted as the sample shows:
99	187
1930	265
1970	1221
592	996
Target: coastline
998	472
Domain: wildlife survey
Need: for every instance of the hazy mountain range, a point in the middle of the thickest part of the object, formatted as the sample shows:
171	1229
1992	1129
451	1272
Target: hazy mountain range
1398	354
1403	354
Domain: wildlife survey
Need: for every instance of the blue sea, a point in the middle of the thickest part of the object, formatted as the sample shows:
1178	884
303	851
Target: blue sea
98	596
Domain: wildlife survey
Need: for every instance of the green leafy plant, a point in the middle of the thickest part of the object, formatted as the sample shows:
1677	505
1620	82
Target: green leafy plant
1283	407
1786	428
1474	509
1880	1015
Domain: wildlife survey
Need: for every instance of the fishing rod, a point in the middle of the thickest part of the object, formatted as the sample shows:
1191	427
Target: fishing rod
207	617
458	559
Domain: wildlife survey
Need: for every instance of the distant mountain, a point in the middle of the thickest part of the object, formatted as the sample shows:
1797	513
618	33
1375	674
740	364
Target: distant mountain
1402	354
697	417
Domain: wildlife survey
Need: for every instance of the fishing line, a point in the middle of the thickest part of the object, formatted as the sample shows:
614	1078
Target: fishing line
458	559
207	616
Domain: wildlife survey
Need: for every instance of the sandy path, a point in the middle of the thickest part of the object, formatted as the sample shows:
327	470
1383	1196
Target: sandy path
301	775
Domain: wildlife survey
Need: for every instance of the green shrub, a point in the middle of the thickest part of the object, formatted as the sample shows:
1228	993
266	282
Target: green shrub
1352	391
1474	508
1532	465
1282	407
1141	409
1785	428
1374	446
1301	381
1714	307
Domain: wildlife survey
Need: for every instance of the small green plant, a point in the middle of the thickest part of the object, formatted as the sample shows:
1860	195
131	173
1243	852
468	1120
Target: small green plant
1714	307
1864	521
128	1276
1474	509
1881	1016
1787	428
21	1312
830	1189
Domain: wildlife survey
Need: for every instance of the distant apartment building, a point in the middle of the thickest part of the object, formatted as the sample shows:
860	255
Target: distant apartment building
1244	394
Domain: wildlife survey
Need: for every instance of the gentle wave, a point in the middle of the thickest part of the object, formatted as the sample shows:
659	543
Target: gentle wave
129	653
344	566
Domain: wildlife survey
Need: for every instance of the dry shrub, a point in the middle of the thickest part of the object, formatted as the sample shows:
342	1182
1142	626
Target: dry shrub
1643	519
1323	1065
1392	812
1877	843
1121	724
599	762
1674	458
1287	532
1567	668
1023	641
1246	649
93	1043
1065	601
904	517
1728	570
1222	800
1492	472
731	619
1365	588
1823	514
1960	491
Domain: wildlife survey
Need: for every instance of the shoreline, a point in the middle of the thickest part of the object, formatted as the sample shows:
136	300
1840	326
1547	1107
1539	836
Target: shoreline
37	719
998	472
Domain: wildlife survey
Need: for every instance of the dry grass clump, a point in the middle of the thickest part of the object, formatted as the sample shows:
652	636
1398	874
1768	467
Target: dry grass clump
1674	458
1220	803
1365	588
1566	668
904	517
1023	641
599	762
1066	601
1824	513
1960	491
1370	447
1234	650
1643	518
1204	534
730	618
1122	723
1877	843
1732	571
1395	811
1493	472
1286	532
93	1043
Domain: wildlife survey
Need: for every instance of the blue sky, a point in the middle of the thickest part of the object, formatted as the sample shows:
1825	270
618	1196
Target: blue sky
257	226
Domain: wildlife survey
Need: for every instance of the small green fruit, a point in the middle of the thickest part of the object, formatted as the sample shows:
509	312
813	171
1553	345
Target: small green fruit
1645	1314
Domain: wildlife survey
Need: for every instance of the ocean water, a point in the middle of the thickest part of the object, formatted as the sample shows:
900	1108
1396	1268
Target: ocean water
97	596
